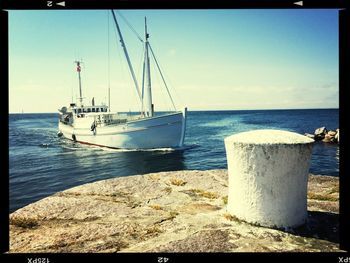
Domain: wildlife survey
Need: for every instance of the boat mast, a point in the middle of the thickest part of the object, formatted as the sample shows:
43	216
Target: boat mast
143	84
149	105
78	70
127	56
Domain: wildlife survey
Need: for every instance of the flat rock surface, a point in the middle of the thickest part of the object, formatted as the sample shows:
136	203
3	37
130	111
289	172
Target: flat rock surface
182	211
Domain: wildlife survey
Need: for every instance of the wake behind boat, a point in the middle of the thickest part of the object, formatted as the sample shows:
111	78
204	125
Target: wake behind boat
96	125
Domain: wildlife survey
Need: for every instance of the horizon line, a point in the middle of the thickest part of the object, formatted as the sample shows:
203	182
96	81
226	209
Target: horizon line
202	110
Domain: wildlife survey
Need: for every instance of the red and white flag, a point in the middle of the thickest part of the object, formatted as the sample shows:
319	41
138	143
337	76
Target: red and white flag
78	68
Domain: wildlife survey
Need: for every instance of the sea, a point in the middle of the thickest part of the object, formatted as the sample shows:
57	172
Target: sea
41	163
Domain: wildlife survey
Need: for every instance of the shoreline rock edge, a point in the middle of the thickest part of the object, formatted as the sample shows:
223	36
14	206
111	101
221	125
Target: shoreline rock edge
180	211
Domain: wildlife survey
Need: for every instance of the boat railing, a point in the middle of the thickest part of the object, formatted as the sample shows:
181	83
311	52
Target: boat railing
110	119
134	117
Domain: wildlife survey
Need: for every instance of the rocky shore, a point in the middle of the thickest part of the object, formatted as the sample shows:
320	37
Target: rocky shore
182	211
324	135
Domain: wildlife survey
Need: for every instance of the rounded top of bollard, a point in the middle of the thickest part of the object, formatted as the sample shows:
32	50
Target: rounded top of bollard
269	137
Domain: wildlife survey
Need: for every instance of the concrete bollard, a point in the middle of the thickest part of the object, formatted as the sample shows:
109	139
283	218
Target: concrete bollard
268	175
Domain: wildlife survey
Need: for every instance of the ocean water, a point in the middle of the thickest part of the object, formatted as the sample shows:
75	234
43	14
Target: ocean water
41	164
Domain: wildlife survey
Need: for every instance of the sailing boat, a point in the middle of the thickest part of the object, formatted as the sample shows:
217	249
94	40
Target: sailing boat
95	125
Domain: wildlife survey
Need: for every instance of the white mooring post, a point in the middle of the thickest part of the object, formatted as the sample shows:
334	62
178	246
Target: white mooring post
268	175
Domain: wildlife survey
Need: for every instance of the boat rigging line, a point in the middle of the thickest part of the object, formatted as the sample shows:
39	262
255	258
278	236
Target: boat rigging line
130	26
146	67
127	56
161	74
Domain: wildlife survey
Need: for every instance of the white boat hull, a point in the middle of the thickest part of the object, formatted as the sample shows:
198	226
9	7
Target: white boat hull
166	131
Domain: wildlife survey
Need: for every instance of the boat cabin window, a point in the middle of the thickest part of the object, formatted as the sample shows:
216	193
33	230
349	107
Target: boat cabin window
88	110
79	110
84	110
97	109
101	109
93	109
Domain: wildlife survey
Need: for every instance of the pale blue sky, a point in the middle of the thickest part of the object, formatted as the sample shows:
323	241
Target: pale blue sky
212	59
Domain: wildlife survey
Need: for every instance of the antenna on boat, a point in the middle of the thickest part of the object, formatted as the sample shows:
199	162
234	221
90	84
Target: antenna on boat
78	70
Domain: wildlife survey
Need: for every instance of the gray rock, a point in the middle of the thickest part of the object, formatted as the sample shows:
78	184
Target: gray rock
320	131
331	133
337	135
183	211
327	138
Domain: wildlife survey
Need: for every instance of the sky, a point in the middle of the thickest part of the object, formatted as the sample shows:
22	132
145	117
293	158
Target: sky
211	59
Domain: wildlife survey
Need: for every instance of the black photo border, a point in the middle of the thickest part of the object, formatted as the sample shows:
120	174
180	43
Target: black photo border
344	112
